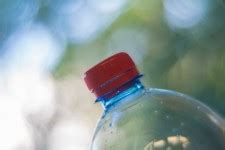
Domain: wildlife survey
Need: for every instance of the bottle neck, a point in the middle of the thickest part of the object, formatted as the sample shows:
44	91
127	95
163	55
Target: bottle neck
117	95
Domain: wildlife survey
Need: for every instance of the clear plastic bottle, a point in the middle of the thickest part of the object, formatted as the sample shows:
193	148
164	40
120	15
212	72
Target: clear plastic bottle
139	118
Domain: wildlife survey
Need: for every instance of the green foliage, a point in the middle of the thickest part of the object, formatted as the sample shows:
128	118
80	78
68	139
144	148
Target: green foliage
186	59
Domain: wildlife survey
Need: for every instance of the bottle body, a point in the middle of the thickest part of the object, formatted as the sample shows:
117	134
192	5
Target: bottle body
155	119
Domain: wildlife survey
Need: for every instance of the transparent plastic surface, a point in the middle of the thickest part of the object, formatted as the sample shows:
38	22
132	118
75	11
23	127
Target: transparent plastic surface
155	119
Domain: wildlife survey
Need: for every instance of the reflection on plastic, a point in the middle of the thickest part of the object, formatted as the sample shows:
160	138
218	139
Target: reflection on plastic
180	142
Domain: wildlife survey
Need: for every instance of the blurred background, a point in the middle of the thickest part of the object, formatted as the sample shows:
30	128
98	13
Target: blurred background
46	46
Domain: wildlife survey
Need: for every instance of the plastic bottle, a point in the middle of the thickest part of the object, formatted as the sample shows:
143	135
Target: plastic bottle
139	118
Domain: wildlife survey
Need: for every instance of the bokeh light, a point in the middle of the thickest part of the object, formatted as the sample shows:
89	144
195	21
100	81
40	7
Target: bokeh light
15	131
69	135
185	14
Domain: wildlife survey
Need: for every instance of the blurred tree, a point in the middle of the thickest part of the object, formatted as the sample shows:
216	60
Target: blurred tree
182	58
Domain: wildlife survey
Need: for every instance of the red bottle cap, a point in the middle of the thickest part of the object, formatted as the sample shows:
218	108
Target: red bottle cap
110	74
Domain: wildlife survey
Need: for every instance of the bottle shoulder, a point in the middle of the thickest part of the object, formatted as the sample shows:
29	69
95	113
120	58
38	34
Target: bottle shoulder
160	101
160	98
